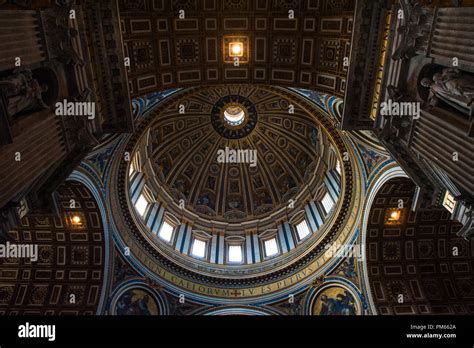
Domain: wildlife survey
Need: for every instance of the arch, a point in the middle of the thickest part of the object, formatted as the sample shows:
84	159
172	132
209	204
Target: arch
67	276
80	176
372	190
415	261
243	310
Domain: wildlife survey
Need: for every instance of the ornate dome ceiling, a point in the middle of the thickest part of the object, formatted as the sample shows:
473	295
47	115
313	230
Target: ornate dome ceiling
232	172
203	220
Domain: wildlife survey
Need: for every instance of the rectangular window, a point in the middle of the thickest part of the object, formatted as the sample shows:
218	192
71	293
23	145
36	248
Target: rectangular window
235	253
199	248
449	202
327	203
338	167
166	232
303	230
141	205
271	247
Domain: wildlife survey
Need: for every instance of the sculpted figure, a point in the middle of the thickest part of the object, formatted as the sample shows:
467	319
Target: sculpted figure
23	92
414	32
61	35
454	88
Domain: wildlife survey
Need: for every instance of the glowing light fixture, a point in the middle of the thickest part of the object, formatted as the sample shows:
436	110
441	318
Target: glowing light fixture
236	49
393	216
76	220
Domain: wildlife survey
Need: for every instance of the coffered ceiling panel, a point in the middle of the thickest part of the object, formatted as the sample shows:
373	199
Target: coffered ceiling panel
186	43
